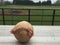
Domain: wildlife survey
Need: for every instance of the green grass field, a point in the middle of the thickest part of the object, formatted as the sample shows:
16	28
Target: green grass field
38	18
29	6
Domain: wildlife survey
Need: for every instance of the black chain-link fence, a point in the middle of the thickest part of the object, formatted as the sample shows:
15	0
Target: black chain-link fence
11	16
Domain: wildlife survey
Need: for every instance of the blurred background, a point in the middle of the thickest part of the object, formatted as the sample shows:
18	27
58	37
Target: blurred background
37	12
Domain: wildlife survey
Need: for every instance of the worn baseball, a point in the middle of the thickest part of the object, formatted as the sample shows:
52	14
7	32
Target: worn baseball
23	31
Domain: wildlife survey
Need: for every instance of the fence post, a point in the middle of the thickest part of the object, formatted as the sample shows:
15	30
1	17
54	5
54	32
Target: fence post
12	16
42	16
28	15
53	17
3	16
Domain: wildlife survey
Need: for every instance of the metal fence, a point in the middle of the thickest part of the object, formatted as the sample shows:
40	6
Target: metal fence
10	16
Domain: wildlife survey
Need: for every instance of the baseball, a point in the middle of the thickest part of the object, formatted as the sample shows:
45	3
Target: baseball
23	31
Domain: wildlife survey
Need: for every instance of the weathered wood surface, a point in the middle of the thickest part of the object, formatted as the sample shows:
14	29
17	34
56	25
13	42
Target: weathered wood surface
43	35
